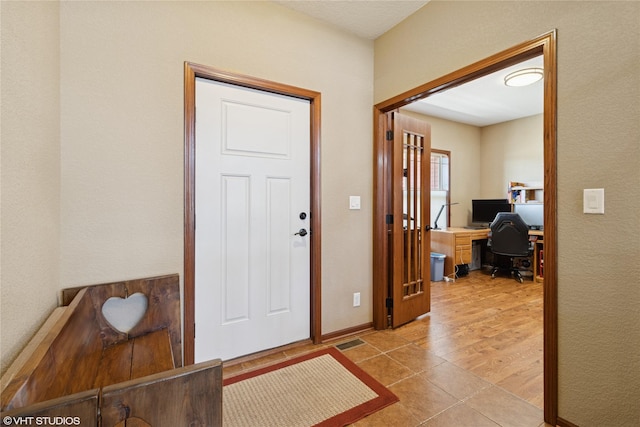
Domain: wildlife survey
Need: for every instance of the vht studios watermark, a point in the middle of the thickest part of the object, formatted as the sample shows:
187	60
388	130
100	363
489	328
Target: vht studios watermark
40	421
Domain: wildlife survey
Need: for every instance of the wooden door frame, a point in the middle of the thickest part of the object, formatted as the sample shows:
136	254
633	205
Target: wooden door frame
191	72
544	45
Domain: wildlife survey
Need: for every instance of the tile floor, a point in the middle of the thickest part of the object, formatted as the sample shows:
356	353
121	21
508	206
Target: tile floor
434	391
437	387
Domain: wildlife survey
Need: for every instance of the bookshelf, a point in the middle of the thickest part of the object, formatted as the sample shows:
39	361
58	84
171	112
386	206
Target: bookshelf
520	192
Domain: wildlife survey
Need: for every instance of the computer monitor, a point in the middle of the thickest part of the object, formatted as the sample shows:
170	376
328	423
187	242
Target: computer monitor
483	211
532	214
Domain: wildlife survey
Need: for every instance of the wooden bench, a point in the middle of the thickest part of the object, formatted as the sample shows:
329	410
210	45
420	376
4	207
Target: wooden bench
84	364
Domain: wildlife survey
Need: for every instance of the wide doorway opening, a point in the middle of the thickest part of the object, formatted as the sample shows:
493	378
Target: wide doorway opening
544	46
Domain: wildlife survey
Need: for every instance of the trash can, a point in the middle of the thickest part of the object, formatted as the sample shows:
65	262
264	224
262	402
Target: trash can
437	266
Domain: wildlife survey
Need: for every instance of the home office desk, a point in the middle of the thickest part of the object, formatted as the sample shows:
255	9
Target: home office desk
457	242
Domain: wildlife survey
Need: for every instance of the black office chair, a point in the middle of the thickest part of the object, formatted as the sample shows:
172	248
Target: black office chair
509	237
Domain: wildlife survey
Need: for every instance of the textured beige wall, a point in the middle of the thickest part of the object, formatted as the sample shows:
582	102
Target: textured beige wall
122	132
598	134
102	198
30	170
511	151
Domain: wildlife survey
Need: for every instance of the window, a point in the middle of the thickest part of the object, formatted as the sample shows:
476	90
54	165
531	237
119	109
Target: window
439	171
440	174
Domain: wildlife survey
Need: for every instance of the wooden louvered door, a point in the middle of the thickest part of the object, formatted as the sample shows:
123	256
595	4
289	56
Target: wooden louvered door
410	241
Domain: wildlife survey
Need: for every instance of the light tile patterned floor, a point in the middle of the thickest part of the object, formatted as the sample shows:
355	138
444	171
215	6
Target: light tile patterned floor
475	360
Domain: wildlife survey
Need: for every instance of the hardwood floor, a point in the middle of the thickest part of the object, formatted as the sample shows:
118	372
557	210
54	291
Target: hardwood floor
475	360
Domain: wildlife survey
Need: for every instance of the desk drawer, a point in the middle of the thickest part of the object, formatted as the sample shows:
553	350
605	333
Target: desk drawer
463	255
481	235
463	240
463	249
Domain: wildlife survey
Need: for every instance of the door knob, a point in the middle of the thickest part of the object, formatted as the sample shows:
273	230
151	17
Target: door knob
302	232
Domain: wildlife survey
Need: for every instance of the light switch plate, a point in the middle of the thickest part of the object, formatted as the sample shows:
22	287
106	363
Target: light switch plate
593	201
354	202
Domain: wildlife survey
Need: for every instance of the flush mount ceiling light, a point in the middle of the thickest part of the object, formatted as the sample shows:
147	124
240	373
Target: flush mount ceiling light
523	77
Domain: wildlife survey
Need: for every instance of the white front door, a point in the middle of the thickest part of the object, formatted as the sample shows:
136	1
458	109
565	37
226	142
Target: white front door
252	185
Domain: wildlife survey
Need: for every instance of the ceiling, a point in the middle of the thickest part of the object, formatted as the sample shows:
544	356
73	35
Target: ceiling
482	102
487	100
365	18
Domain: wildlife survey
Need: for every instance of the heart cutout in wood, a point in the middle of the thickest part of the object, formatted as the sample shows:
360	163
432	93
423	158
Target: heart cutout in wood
123	314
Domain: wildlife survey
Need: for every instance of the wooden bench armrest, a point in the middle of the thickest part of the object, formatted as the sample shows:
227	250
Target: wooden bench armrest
34	351
190	395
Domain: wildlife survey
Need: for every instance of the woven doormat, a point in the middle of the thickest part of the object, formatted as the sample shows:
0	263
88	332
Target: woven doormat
323	388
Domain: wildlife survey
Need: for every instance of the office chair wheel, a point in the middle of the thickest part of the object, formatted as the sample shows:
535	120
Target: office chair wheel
518	276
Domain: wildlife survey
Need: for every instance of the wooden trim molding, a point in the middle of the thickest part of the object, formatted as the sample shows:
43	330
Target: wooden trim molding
191	72
381	192
550	231
347	332
564	423
543	45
